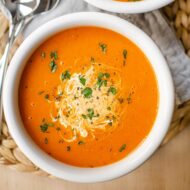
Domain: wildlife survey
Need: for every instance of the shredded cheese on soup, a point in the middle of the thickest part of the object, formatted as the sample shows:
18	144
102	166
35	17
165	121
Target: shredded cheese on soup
88	101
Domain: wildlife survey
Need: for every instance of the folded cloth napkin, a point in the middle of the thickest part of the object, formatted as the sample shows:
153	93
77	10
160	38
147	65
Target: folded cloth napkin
154	24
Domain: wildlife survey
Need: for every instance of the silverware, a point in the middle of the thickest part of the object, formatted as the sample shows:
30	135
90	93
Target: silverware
19	13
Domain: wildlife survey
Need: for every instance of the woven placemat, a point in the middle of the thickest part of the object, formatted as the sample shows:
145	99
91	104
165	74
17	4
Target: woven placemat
11	155
178	14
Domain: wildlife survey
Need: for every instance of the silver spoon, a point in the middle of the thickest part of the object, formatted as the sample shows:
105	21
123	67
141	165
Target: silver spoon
19	13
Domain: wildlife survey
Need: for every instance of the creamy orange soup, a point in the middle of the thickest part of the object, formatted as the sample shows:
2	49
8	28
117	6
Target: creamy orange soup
88	96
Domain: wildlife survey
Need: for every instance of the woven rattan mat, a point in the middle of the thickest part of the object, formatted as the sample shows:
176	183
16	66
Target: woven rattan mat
178	15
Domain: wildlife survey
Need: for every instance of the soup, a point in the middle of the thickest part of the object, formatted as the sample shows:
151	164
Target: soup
88	96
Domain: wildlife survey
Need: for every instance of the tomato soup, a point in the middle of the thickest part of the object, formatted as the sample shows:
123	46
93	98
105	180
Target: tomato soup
88	96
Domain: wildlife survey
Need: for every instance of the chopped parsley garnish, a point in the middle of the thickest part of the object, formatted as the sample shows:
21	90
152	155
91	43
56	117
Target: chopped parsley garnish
46	96
46	140
122	148
124	56
43	54
80	142
65	75
53	66
87	92
100	75
112	90
107	75
90	113
68	148
54	55
110	123
102	81
103	47
82	80
84	116
44	127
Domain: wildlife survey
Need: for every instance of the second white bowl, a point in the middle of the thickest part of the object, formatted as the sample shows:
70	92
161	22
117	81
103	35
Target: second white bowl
131	7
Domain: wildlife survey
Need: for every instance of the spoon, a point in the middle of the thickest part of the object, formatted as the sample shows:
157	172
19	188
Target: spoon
19	13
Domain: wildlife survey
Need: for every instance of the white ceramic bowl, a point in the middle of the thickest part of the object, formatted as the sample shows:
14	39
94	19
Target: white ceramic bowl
49	164
141	6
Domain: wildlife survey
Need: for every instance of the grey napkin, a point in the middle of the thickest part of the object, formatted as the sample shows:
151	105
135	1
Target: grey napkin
154	24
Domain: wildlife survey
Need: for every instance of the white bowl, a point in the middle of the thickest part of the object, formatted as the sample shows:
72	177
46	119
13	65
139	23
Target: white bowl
140	154
141	6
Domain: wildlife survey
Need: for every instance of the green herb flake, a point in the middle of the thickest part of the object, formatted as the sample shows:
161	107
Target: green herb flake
54	55
80	142
68	148
112	90
46	96
100	75
44	127
103	47
65	75
90	113
43	54
87	92
84	116
53	66
122	148
110	123
107	75
82	80
101	81
105	82
46	140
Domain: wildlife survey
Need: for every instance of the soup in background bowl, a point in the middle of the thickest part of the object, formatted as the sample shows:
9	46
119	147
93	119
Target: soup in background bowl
129	6
88	99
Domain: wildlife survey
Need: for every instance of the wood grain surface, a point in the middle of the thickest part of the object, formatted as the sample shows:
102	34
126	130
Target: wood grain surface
167	169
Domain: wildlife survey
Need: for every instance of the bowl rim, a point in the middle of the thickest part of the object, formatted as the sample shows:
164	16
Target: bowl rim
141	153
129	7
